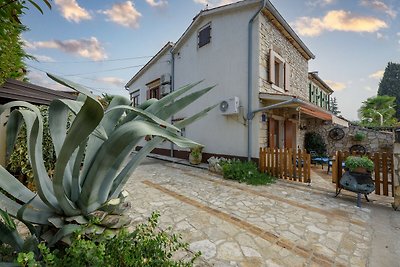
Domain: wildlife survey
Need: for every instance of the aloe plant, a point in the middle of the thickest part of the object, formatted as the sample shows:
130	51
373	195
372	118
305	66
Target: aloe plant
89	172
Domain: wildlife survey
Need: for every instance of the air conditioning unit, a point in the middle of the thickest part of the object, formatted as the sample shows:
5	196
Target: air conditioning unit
165	79
165	89
229	106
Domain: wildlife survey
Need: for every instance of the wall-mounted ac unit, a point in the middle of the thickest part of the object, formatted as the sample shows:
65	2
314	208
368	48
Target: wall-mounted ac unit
165	89
229	106
165	79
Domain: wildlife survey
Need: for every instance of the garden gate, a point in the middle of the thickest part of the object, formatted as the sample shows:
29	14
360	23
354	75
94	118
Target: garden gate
383	174
286	163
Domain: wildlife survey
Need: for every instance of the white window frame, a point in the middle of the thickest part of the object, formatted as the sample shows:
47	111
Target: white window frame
284	69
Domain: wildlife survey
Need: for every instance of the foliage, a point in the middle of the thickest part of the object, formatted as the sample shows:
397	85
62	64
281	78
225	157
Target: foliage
314	142
106	100
378	111
89	172
147	245
334	106
244	172
11	241
390	84
353	162
12	54
18	161
359	136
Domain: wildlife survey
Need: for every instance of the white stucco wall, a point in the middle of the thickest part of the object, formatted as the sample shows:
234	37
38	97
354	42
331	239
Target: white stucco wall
222	62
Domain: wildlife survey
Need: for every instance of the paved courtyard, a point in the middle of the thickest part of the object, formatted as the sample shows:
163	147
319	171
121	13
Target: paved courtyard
284	224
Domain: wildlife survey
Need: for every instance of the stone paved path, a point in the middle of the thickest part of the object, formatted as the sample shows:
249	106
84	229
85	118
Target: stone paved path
284	224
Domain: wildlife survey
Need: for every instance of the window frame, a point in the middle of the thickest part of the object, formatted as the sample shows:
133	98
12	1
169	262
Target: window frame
200	36
283	77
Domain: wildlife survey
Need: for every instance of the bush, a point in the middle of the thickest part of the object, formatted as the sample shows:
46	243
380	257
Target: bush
353	162
18	162
314	142
145	246
244	172
359	137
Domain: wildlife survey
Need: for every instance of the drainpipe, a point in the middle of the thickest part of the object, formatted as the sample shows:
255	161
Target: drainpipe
250	115
172	89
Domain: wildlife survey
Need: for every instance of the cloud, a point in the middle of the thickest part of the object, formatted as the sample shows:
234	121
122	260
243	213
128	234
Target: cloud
380	6
159	3
40	78
321	3
71	11
87	48
336	86
124	14
43	58
112	80
338	20
377	75
214	3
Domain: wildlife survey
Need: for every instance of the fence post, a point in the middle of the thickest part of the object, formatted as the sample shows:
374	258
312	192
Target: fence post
396	178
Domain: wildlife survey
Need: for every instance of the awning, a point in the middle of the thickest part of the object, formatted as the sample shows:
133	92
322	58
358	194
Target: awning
303	106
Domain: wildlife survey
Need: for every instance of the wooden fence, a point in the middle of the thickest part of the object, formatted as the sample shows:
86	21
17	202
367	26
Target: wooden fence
286	164
383	174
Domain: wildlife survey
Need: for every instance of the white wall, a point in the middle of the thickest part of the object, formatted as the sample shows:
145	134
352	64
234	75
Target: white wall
222	62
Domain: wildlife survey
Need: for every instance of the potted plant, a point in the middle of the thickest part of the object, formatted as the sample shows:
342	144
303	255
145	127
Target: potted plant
359	137
359	164
195	155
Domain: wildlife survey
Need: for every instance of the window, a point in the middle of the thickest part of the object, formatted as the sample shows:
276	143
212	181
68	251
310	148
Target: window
135	101
153	89
279	72
153	93
204	36
135	98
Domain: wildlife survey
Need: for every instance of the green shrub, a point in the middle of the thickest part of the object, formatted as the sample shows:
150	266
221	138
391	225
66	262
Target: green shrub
145	246
244	172
18	162
359	137
314	142
353	162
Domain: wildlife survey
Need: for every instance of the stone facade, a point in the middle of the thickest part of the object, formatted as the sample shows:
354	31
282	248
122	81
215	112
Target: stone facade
271	38
374	141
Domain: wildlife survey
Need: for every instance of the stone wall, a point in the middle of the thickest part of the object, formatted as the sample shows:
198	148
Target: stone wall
374	141
271	38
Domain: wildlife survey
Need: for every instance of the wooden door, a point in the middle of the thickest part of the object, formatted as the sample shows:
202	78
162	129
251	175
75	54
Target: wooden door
290	134
271	133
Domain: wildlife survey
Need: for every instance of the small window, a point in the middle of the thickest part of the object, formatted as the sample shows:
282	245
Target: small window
278	72
204	36
135	98
153	93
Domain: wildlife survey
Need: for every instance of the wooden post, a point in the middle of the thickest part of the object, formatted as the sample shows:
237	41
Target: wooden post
384	169
377	174
285	163
290	159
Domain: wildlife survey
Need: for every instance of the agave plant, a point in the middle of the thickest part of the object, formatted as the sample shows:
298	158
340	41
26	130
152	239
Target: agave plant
93	156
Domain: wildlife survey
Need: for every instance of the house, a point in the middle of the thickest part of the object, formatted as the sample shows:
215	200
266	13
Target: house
260	68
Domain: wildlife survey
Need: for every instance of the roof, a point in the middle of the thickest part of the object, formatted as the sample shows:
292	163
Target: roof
269	11
166	47
16	90
314	77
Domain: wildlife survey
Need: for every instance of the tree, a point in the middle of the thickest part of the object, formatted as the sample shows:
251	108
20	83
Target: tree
378	111
390	84
334	106
12	54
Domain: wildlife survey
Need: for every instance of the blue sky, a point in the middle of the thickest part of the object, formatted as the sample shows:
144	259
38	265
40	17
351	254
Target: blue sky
103	43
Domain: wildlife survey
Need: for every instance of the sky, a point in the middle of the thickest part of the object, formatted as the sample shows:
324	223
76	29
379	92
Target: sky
101	44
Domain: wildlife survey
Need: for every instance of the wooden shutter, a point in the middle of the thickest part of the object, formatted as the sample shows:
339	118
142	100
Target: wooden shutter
286	69
148	94
271	67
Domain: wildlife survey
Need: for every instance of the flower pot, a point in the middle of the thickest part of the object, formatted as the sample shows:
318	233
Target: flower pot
360	170
195	160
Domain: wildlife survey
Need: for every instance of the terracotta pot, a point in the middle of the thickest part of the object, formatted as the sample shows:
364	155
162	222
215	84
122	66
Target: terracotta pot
195	160
360	170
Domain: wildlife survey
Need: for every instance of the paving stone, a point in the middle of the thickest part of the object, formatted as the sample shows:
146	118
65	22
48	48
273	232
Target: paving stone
207	248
